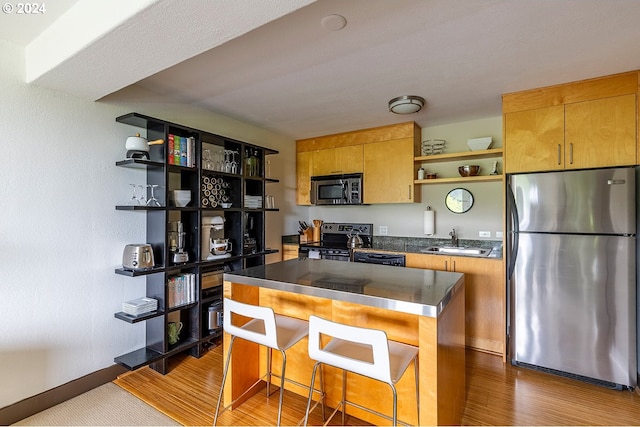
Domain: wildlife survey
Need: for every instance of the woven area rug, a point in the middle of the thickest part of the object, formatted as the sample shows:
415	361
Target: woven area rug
107	405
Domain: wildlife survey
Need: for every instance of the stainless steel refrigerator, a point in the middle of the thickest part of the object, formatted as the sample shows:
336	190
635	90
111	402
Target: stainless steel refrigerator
571	251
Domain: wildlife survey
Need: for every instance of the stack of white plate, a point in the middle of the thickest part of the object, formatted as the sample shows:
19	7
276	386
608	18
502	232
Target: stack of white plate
252	201
140	306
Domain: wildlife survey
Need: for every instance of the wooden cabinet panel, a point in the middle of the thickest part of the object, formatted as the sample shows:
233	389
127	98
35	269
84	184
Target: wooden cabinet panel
289	252
303	178
339	160
388	175
485	300
601	133
580	125
534	140
485	297
430	262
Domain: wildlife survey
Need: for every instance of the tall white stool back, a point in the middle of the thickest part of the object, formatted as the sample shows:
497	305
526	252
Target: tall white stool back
363	351
266	328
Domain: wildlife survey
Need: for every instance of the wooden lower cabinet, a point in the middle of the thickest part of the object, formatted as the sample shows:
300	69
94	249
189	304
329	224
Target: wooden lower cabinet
485	297
289	251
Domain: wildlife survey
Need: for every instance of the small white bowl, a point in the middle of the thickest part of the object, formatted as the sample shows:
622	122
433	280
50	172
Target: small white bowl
180	198
477	144
181	202
226	205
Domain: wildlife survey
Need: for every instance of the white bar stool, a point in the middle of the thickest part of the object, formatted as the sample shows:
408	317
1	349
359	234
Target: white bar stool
363	351
266	328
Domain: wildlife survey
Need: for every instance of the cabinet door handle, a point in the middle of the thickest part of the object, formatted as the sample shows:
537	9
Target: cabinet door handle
571	153
454	265
409	191
559	153
446	266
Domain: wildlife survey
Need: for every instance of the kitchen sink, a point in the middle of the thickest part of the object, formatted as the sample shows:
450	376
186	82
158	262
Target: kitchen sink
457	250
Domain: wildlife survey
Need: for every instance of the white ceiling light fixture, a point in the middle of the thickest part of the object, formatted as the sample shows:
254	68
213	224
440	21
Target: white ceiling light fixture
406	104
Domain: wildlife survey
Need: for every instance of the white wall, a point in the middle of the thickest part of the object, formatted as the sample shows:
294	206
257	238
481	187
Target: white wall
407	219
60	235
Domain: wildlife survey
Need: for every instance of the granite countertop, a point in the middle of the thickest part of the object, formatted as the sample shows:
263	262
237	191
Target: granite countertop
408	290
417	244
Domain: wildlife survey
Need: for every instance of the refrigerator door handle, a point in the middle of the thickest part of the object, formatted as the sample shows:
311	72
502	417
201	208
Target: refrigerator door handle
513	233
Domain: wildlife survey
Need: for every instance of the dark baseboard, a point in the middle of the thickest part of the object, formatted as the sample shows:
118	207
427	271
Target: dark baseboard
45	400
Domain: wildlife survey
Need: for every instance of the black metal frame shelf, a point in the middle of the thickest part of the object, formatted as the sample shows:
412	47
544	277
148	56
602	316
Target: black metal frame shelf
240	221
135	319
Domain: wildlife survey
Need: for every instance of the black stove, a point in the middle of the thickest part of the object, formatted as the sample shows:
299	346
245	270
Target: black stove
334	237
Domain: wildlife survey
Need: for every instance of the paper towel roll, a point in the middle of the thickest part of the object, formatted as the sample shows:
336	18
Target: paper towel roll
429	222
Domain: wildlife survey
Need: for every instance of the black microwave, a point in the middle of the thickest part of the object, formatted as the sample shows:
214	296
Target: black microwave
336	189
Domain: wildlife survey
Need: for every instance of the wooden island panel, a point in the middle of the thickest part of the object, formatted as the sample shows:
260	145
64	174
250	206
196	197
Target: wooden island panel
441	341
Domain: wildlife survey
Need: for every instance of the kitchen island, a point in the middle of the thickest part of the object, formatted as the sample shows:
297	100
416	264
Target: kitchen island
420	307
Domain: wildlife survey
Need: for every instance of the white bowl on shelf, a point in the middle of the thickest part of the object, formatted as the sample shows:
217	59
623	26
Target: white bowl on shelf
477	144
180	198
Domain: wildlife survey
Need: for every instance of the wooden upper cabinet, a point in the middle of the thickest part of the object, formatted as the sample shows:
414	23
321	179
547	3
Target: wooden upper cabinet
534	140
385	156
339	160
304	168
387	176
587	124
600	133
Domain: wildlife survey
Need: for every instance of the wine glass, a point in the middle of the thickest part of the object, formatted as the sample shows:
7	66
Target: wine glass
142	200
234	164
206	156
134	200
227	161
153	201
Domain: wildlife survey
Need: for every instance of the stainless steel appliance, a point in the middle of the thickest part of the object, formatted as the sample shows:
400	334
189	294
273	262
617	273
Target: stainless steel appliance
137	256
334	241
572	268
336	189
177	242
215	316
398	260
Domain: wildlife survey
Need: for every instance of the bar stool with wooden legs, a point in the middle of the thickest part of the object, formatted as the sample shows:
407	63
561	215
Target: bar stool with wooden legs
266	328
363	351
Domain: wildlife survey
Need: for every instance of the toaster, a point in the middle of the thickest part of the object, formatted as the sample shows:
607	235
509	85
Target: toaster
137	256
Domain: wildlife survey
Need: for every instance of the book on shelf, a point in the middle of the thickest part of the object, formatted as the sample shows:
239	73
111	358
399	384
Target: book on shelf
181	289
181	150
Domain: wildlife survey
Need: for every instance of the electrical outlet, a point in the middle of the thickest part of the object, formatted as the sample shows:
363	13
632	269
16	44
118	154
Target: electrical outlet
383	230
485	234
499	234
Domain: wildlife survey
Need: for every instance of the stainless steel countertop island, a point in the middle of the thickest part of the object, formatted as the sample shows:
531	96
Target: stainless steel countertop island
422	308
407	290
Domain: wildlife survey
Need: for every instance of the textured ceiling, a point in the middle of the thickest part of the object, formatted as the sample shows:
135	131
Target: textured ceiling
283	71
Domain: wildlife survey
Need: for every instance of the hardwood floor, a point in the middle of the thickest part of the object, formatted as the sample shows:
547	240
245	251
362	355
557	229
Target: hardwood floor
497	394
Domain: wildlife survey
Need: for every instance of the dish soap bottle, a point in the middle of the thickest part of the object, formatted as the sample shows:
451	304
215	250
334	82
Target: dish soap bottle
421	173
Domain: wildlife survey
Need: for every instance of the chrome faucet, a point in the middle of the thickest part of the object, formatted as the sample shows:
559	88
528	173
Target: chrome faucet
454	238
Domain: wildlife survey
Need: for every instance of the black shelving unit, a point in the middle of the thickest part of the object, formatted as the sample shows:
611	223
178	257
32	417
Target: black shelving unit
242	224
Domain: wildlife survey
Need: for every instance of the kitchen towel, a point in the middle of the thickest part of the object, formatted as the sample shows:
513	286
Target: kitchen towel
429	222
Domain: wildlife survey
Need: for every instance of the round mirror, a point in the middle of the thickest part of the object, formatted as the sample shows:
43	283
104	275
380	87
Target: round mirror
459	200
